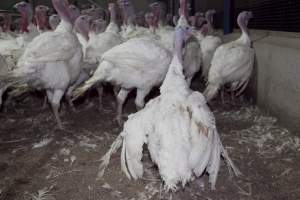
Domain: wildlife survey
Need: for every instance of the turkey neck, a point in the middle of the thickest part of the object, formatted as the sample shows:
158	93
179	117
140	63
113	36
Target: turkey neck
63	11
41	18
157	19
82	27
175	81
244	39
178	46
26	20
151	24
85	34
183	7
125	17
128	14
113	15
7	23
209	24
54	20
193	22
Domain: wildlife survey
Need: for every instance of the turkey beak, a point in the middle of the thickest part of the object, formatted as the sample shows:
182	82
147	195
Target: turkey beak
16	6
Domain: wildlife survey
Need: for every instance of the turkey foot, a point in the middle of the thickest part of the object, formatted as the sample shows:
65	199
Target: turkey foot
45	102
201	182
55	108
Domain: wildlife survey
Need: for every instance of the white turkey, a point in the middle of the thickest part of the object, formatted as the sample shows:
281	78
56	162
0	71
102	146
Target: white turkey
42	23
151	30
95	12
129	30
100	43
200	20
28	29
82	25
209	43
98	26
149	21
139	63
12	49
52	61
140	19
178	128
97	15
165	32
162	19
5	32
232	63
74	11
192	55
41	18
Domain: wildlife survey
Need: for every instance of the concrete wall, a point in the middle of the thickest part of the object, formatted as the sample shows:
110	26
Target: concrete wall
275	85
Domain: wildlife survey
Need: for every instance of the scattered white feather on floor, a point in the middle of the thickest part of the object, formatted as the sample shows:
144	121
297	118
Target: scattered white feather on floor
64	152
43	194
106	186
42	143
265	133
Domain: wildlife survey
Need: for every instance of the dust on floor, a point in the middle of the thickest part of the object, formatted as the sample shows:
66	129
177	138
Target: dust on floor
37	161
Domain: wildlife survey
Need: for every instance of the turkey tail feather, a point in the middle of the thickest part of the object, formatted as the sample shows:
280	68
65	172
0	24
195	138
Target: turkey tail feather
124	161
18	90
229	162
131	160
106	158
210	92
96	78
242	88
10	79
81	90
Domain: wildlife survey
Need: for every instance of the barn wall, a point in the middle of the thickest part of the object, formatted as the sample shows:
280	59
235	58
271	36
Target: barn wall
275	85
139	4
7	5
206	5
202	5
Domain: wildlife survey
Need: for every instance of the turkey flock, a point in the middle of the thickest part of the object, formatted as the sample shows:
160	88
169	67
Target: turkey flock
69	52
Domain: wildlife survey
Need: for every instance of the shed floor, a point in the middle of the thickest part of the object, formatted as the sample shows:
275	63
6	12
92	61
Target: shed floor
35	157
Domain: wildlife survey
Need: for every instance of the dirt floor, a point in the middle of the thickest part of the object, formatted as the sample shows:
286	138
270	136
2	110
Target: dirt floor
37	161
